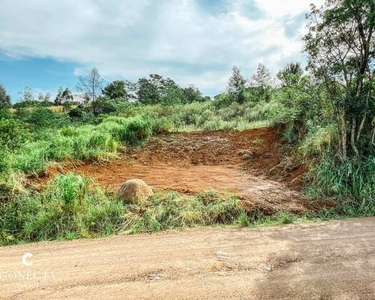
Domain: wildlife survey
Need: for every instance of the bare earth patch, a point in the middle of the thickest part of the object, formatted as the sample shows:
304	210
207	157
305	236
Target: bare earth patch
245	164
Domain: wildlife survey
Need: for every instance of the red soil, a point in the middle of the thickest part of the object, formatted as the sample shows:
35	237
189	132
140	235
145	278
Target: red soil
246	164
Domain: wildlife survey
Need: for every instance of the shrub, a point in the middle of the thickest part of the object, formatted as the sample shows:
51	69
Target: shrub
138	129
161	125
319	140
5	164
103	106
351	182
70	207
32	158
76	113
13	133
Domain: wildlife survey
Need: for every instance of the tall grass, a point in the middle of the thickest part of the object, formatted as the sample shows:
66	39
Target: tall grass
85	142
351	182
73	207
207	116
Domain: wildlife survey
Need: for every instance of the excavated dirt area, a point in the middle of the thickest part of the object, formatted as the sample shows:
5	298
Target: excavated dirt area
247	164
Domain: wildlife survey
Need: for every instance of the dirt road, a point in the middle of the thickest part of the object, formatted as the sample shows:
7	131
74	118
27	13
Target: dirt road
333	260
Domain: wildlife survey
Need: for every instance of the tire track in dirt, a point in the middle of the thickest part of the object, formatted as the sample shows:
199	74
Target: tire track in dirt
327	260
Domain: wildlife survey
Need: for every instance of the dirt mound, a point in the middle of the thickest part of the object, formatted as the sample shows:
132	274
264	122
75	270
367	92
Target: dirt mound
245	164
134	191
212	148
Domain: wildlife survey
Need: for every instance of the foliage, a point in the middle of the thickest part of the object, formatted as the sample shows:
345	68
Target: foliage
341	48
236	85
291	74
13	134
193	94
26	95
138	129
115	90
4	98
352	182
70	207
260	83
148	92
103	105
63	96
91	85
44	117
73	206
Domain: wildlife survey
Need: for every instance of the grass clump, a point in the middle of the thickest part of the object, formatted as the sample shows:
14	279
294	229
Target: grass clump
351	182
171	210
71	207
74	207
84	142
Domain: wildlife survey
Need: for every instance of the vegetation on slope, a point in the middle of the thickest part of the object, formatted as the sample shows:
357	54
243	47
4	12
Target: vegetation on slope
327	112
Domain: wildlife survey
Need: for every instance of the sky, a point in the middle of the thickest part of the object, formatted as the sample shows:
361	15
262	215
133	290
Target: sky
45	44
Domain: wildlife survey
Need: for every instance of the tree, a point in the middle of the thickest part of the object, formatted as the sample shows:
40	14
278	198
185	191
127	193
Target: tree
341	48
291	74
147	92
63	95
27	95
157	89
45	99
115	90
236	85
4	98
131	89
103	105
91	85
260	83
261	78
193	94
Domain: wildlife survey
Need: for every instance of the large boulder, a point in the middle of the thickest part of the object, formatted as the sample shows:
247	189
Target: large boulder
135	191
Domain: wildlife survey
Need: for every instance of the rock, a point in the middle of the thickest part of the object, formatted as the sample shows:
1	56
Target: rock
222	255
135	191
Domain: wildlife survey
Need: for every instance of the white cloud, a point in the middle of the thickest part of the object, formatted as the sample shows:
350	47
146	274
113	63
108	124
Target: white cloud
129	39
279	8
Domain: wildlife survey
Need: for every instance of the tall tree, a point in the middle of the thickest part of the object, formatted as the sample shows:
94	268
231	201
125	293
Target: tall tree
115	90
260	83
26	95
63	96
156	89
291	74
193	94
236	84
341	48
131	89
147	92
91	85
261	78
44	97
4	98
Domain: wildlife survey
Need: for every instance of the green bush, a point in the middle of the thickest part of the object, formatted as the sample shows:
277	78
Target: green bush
5	163
13	133
351	182
137	129
103	106
76	113
70	207
46	118
32	158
